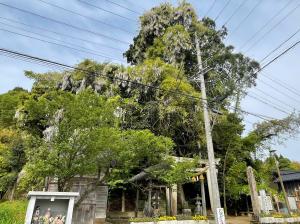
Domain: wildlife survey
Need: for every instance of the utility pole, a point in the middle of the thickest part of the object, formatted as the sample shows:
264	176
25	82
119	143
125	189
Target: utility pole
210	148
282	186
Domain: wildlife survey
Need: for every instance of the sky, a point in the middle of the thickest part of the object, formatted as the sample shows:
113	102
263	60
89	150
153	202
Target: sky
255	28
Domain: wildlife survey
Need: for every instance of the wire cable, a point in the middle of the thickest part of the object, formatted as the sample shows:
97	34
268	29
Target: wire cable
105	10
246	17
65	24
58	44
235	12
266	103
279	46
274	98
46	62
272	28
210	8
62	34
222	10
55	39
282	84
124	7
266	24
84	16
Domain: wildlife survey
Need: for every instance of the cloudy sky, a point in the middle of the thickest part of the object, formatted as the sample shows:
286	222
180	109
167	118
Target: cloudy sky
103	30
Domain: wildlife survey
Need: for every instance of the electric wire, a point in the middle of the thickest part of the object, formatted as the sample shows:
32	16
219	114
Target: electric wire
274	98
105	10
210	8
246	17
55	39
222	10
282	84
235	12
46	62
62	34
266	24
266	103
65	24
279	46
84	16
124	7
272	28
61	45
271	102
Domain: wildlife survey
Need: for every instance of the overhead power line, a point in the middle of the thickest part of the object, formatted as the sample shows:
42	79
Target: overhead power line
85	50
280	55
58	65
266	24
235	12
66	24
267	103
62	34
105	10
274	98
222	10
210	8
282	84
84	16
273	27
246	17
124	7
61	45
279	46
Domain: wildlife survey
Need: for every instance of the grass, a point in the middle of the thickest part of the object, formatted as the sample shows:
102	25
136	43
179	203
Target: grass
12	212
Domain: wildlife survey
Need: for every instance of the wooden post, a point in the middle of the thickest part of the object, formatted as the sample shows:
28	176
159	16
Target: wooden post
174	200
253	192
136	211
123	201
203	195
168	204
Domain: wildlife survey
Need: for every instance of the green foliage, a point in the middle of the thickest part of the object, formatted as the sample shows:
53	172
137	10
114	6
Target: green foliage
9	102
12	212
12	158
84	139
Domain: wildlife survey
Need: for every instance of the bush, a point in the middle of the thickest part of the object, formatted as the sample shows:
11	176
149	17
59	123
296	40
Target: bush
199	217
12	212
145	219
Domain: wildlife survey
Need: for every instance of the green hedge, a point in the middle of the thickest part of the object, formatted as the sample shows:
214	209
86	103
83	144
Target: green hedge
12	212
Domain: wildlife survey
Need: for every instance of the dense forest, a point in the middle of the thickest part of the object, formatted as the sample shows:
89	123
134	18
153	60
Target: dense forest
114	120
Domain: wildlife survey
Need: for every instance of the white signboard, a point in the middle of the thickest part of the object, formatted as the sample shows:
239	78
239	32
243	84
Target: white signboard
220	216
265	201
292	202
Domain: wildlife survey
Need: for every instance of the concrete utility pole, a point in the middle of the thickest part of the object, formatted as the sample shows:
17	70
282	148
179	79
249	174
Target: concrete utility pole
282	187
272	154
210	148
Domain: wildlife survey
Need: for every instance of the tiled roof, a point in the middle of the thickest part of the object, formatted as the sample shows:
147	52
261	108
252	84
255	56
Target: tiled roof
289	175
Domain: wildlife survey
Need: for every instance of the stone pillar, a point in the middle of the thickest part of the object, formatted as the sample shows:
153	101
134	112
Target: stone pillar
253	191
174	200
203	195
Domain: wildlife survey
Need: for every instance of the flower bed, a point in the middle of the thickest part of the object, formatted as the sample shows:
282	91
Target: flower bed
171	220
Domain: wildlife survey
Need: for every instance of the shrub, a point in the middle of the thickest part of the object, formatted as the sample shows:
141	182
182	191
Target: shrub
144	219
199	217
12	212
166	218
